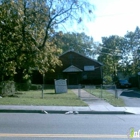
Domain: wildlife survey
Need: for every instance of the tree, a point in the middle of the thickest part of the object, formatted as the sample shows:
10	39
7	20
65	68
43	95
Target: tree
109	55
125	64
27	29
130	53
121	54
78	42
136	52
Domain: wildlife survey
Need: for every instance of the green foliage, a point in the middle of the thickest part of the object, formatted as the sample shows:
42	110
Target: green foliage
7	88
110	55
78	42
22	29
27	29
25	86
130	53
121	54
107	80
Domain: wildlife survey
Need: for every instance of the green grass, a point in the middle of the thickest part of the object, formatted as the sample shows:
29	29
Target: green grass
106	95
50	99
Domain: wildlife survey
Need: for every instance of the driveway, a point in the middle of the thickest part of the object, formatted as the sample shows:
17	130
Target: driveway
131	97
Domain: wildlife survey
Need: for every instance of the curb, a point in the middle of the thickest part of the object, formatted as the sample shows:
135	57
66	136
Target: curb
63	112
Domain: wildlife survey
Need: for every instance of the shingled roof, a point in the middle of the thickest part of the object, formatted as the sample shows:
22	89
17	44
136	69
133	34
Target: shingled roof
82	56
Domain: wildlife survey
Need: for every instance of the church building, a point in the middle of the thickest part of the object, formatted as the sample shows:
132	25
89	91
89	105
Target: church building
77	69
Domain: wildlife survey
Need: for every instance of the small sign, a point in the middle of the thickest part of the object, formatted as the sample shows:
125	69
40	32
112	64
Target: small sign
138	73
61	86
89	68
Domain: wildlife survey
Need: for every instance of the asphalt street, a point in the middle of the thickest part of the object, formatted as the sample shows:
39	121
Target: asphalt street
24	126
130	96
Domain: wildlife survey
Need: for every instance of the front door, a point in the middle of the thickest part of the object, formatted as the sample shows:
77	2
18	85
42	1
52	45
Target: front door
73	79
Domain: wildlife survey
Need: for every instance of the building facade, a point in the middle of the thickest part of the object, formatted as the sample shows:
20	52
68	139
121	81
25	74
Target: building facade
77	69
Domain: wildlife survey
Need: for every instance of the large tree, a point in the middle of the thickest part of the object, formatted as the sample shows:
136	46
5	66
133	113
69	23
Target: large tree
109	55
121	54
130	52
79	42
27	29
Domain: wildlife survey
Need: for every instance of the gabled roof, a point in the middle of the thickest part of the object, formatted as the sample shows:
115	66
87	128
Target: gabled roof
72	69
82	56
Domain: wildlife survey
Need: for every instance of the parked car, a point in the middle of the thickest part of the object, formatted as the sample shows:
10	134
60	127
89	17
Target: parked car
123	84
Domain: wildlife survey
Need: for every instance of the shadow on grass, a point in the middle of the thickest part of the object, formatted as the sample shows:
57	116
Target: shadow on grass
52	93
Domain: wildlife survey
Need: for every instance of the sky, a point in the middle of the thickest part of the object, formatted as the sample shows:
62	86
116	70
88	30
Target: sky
112	17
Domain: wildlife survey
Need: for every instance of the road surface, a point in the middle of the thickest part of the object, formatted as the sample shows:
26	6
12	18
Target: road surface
131	97
22	126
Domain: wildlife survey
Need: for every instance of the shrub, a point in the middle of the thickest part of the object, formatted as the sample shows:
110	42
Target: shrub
24	86
107	80
35	87
7	88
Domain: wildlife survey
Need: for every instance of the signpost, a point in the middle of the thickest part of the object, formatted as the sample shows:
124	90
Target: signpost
43	76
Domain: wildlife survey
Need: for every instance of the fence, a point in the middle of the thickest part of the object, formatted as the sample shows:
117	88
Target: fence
26	87
100	90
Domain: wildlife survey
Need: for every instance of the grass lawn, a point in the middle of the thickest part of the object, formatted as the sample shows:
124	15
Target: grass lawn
50	99
106	95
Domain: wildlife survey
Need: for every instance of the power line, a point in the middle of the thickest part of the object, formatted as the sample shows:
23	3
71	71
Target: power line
117	14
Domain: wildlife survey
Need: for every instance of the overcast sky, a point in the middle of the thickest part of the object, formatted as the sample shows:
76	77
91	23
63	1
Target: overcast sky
111	17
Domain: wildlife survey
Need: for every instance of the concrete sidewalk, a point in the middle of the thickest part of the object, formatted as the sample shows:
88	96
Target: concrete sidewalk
98	104
95	106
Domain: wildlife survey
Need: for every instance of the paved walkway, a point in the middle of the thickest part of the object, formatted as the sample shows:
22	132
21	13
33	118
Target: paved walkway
95	106
94	103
